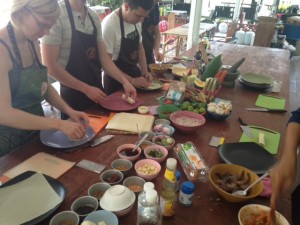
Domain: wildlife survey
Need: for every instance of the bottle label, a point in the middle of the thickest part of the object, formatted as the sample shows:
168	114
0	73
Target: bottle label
167	207
170	175
186	199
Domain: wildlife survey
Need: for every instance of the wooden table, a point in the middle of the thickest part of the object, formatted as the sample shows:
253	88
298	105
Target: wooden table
208	207
180	33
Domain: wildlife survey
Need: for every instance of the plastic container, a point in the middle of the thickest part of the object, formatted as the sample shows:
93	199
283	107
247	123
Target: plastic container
178	175
142	195
149	212
249	38
240	35
196	169
168	194
186	194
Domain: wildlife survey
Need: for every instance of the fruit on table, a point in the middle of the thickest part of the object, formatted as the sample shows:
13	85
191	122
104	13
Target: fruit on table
197	107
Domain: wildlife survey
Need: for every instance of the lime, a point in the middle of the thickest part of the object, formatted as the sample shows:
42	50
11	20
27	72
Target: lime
202	110
190	108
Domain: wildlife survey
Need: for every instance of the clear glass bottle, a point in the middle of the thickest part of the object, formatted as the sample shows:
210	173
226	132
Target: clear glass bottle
168	193
149	212
142	195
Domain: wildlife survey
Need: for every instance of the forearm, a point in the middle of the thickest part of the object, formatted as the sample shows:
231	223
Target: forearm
19	119
55	100
291	142
142	60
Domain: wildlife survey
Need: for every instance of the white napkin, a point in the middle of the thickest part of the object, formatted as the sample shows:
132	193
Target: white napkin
27	200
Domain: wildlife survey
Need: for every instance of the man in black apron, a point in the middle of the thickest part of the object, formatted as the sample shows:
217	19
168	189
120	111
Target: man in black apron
122	35
81	80
151	35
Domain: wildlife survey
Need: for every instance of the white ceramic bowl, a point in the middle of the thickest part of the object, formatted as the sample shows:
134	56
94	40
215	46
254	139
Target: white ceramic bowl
134	183
97	190
65	216
117	198
112	176
84	201
102	215
248	213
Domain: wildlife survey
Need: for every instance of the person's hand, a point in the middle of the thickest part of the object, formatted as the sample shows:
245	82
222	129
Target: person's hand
74	130
158	56
141	82
148	76
129	90
79	117
95	94
282	175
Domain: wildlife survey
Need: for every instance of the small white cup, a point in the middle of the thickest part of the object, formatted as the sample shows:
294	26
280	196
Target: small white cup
60	217
276	86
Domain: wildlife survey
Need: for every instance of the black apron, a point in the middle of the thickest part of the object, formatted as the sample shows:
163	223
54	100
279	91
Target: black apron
28	87
83	64
148	41
127	60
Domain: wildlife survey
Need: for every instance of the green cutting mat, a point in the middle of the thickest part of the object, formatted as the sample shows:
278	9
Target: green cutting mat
272	138
270	102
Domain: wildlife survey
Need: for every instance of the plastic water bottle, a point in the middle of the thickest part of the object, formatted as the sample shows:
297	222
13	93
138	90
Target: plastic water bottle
240	35
149	212
142	195
249	37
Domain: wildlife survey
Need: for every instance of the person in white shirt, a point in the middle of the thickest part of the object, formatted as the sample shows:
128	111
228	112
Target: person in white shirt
122	33
74	54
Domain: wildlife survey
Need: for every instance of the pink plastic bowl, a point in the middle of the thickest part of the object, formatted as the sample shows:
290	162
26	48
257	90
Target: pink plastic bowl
186	129
162	149
150	162
127	146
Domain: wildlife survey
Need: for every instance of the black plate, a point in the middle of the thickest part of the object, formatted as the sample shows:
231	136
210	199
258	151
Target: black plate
57	187
247	154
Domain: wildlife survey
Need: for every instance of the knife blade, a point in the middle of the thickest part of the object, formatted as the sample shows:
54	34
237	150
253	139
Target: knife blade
92	143
266	110
263	129
247	131
101	140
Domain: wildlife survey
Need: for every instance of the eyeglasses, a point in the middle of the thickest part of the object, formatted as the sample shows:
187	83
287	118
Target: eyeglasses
42	26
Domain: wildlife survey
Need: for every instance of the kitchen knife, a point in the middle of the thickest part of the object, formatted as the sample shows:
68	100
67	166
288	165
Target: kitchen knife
92	143
247	131
265	110
100	140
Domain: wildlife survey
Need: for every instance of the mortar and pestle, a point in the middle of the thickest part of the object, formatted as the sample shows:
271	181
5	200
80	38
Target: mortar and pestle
233	73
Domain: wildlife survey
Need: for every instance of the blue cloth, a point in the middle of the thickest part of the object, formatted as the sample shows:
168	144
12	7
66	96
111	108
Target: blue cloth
295	116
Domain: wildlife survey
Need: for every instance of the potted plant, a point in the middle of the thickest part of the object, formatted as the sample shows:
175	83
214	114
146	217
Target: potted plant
112	4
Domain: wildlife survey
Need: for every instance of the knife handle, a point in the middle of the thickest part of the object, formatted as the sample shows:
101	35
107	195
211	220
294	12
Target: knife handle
277	110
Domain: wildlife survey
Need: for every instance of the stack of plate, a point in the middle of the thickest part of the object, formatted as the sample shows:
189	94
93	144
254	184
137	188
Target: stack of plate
256	81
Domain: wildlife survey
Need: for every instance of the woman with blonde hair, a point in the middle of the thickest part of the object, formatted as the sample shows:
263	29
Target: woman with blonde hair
24	83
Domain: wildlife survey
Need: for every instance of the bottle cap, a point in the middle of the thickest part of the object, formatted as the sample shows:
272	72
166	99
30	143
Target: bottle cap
151	196
171	163
187	187
178	175
148	186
